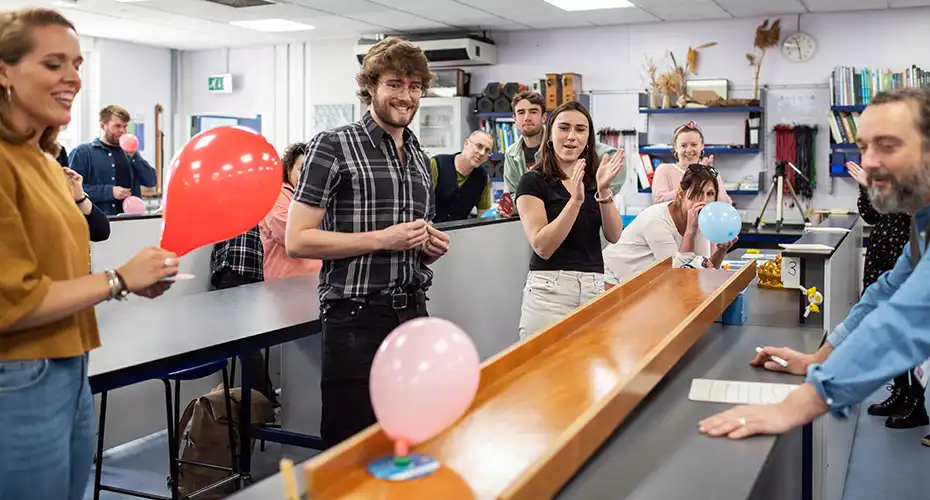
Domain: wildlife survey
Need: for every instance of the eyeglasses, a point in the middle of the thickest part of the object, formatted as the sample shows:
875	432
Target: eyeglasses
396	87
698	168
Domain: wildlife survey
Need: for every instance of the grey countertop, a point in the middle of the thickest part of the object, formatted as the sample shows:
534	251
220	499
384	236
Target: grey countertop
143	333
657	452
829	239
658	448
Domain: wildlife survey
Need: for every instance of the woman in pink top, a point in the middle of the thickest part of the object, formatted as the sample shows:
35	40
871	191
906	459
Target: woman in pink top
272	227
688	146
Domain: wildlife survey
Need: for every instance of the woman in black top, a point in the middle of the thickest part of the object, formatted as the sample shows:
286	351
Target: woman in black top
98	224
890	232
564	203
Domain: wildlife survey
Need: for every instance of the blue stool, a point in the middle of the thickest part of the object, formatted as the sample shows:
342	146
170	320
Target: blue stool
174	417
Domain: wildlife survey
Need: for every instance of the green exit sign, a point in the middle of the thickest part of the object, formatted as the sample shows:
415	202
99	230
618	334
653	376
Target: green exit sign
220	84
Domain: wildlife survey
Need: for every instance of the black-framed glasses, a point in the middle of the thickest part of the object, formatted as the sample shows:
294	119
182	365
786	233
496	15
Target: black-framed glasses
697	168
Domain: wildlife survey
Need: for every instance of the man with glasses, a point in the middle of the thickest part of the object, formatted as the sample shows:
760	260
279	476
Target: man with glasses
459	181
364	205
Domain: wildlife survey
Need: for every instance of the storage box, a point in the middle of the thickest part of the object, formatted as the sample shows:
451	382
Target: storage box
738	311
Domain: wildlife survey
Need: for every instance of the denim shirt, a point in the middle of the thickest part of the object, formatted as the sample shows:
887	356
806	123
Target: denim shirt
95	163
885	334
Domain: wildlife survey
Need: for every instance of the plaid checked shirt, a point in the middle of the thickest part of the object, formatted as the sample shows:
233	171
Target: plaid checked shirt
354	172
243	254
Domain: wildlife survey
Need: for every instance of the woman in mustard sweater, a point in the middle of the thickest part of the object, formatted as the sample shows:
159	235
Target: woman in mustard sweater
47	295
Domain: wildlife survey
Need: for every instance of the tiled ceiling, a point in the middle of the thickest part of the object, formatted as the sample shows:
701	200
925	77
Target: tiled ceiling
201	24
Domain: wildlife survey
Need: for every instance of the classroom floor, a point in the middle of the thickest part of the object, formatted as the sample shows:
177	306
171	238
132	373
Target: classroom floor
885	463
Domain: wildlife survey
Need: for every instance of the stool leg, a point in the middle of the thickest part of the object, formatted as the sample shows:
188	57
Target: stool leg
229	425
232	376
172	441
100	428
268	384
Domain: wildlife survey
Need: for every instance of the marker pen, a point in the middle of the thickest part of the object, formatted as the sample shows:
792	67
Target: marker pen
783	363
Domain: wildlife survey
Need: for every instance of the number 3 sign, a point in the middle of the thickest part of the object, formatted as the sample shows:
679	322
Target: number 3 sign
791	272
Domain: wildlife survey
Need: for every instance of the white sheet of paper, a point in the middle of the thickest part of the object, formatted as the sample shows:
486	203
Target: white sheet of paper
758	256
739	393
807	247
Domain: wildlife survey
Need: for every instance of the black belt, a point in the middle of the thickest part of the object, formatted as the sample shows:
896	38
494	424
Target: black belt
397	300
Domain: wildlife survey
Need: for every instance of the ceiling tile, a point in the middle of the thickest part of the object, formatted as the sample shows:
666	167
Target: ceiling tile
399	21
844	5
742	8
341	7
684	10
607	17
908	3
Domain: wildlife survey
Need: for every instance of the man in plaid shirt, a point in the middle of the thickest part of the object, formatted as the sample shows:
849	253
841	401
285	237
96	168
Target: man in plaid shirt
238	261
369	185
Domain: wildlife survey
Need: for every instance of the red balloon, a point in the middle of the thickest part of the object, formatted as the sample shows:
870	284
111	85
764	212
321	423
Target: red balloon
222	183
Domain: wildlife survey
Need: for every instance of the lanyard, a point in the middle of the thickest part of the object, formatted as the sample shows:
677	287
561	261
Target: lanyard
915	247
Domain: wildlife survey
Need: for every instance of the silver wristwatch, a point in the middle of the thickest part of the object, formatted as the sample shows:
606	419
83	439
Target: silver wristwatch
118	288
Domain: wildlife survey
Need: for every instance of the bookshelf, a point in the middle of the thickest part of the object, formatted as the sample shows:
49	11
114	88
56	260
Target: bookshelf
851	90
720	109
753	140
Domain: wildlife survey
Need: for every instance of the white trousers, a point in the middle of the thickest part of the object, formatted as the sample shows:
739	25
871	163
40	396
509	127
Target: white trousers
550	295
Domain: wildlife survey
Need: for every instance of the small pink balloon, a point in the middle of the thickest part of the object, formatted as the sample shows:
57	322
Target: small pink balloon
423	378
134	206
129	143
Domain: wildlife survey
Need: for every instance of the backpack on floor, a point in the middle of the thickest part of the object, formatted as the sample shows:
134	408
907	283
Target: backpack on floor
203	437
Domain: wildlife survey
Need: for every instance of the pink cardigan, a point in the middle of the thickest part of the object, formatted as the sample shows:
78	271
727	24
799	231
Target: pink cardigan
272	228
667	178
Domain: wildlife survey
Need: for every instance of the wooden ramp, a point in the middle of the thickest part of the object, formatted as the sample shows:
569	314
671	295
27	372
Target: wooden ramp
546	404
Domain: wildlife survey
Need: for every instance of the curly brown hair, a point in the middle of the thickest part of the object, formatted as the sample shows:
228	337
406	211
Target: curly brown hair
392	54
16	40
289	160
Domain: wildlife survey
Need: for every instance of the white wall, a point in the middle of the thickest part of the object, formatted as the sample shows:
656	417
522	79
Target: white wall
133	76
611	59
282	83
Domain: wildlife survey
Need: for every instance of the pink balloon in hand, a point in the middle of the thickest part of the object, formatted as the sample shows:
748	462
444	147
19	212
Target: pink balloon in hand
129	143
423	378
133	206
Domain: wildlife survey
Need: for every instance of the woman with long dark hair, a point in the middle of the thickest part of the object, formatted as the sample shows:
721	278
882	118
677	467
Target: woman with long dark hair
669	229
564	203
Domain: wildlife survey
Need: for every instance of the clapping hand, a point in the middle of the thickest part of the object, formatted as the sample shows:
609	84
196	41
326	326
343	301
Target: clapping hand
609	168
76	182
575	183
858	173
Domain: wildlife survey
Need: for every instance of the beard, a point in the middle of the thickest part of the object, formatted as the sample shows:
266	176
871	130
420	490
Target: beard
903	195
383	107
533	132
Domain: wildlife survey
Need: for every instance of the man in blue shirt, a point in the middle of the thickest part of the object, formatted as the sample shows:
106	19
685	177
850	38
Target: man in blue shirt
888	331
110	174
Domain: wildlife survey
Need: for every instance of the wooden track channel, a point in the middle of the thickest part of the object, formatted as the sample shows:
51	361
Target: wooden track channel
546	404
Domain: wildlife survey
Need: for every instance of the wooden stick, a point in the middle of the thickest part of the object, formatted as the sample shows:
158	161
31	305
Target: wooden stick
290	481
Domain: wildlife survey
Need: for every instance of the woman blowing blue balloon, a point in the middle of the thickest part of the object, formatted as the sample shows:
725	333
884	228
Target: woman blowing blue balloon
671	229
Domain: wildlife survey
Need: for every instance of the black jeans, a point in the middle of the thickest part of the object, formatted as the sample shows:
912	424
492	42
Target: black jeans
352	333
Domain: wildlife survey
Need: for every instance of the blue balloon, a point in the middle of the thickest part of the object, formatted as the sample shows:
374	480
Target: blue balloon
719	222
